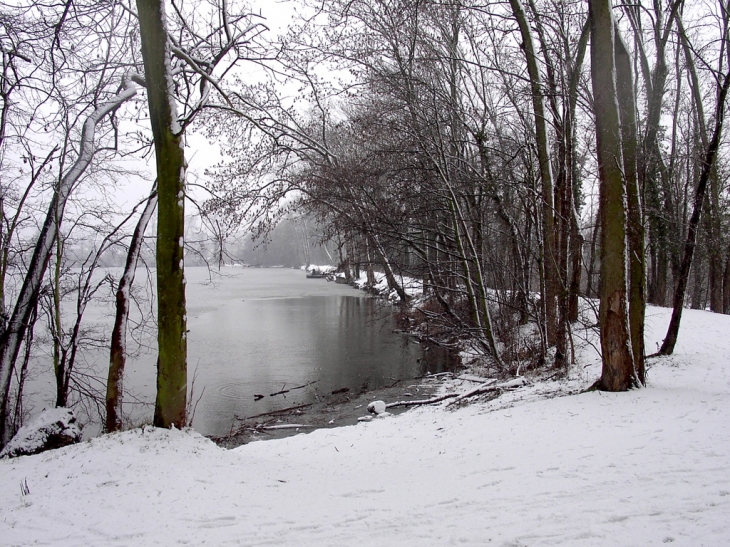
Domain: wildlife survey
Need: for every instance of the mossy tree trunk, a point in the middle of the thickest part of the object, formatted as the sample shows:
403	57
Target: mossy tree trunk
172	330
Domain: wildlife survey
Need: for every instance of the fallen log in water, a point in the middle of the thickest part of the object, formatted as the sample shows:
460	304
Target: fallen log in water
283	391
275	412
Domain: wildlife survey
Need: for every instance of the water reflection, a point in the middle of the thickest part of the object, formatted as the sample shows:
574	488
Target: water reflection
265	346
259	331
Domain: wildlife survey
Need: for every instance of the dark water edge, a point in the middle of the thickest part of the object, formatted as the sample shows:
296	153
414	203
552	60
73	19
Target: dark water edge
344	409
259	332
326	346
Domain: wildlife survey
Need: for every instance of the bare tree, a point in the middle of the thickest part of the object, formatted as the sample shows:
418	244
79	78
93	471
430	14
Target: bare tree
118	349
618	363
722	84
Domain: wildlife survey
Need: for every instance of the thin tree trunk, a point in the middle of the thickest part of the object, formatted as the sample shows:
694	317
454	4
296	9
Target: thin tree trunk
543	155
393	284
635	221
670	340
726	284
59	353
118	348
576	238
697	275
12	338
17	417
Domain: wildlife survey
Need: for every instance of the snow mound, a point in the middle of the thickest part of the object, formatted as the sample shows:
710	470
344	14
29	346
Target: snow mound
52	428
376	407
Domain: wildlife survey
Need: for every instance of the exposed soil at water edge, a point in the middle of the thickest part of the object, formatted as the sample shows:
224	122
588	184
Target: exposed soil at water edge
338	410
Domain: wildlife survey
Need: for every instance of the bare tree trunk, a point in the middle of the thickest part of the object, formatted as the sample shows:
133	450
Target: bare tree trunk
17	417
576	238
715	260
726	284
635	221
118	348
618	362
172	383
393	284
670	340
12	338
543	155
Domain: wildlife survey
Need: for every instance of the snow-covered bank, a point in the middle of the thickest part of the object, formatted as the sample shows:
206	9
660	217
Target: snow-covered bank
647	467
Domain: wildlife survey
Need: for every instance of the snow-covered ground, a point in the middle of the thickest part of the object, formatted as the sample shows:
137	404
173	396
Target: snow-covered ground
648	467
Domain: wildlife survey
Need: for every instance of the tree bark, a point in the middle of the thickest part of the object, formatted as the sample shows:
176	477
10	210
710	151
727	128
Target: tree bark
635	221
618	362
543	156
118	346
170	404
726	284
576	238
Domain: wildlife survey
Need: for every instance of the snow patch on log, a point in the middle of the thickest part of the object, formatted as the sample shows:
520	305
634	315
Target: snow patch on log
52	428
376	407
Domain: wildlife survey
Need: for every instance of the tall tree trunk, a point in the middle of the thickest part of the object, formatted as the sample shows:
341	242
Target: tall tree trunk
543	157
697	274
726	284
17	325
670	340
16	420
59	353
576	238
618	362
170	404
635	221
118	347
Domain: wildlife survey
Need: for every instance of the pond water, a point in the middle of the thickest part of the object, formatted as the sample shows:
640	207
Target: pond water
261	331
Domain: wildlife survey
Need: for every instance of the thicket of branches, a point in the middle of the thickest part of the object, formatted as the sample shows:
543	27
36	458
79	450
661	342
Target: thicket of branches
455	143
74	123
510	156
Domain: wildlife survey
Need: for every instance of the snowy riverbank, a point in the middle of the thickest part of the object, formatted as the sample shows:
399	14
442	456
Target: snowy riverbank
648	467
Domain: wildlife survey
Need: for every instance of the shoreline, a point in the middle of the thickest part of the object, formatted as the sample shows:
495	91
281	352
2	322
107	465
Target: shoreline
338	410
342	409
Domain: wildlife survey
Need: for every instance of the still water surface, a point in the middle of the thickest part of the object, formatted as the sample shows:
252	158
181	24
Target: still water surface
260	331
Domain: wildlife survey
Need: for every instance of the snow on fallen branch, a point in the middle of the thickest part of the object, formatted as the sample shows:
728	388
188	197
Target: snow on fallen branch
511	384
431	401
484	387
275	412
283	426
